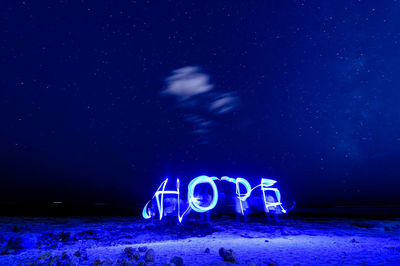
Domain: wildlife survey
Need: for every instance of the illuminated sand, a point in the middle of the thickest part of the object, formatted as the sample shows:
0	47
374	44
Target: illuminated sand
288	242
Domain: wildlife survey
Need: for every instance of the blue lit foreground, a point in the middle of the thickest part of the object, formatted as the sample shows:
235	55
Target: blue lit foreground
203	202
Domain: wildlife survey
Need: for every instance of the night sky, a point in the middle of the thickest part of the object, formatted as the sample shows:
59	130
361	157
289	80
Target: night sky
100	100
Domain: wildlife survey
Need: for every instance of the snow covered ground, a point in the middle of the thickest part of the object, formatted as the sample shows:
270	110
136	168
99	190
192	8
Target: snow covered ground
260	241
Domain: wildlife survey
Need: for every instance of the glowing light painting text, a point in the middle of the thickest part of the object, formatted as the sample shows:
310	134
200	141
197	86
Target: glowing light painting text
194	202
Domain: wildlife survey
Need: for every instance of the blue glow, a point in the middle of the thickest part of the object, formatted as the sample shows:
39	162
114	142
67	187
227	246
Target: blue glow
229	179
240	196
145	212
194	203
265	186
160	202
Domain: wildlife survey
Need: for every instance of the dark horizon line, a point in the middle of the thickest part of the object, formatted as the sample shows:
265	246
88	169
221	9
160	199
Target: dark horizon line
57	209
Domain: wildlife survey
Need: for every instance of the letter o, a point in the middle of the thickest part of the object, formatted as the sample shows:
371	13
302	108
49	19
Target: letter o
193	202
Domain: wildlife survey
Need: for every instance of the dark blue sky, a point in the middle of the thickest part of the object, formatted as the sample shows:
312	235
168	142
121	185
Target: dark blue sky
99	100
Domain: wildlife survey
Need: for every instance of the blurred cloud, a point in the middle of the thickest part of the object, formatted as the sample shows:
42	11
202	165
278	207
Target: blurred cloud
197	97
187	82
225	103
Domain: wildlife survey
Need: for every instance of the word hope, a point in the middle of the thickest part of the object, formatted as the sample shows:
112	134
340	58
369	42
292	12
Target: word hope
194	202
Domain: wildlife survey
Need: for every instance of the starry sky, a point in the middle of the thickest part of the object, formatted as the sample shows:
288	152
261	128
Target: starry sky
100	100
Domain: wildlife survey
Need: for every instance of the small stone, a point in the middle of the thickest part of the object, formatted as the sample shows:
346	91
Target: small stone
64	236
129	250
136	255
207	251
65	256
81	254
130	253
142	249
97	262
141	263
266	241
354	241
178	261
124	262
149	256
227	255
221	252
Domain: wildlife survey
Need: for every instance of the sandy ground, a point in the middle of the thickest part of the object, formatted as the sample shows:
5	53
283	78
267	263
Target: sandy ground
122	241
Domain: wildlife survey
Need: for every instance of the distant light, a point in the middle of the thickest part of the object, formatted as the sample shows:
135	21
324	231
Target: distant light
57	202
